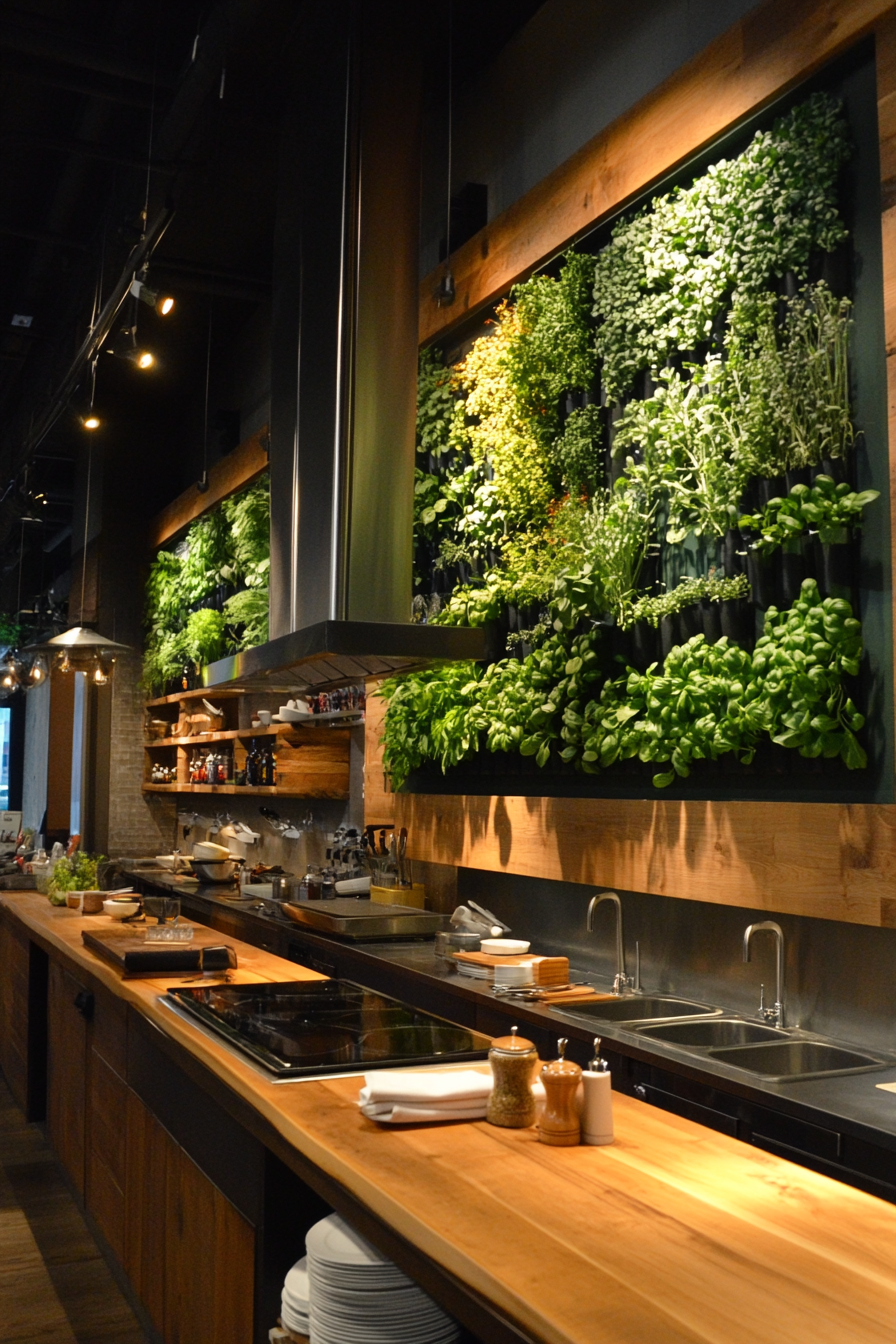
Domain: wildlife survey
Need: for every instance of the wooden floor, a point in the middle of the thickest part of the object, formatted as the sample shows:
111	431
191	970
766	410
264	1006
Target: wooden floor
55	1285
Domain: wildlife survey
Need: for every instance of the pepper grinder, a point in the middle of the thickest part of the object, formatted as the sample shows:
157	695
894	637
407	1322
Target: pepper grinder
559	1124
597	1112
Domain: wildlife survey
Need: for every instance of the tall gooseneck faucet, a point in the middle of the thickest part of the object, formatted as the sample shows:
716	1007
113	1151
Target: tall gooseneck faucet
622	982
776	1014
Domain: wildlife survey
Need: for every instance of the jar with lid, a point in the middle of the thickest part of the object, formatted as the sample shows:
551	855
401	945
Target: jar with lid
309	887
511	1104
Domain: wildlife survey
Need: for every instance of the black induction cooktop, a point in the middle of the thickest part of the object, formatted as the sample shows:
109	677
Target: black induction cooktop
306	1027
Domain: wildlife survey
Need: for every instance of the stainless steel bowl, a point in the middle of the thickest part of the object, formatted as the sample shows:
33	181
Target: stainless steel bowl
215	870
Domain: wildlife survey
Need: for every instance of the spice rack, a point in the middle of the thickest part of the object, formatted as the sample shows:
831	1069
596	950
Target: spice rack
312	762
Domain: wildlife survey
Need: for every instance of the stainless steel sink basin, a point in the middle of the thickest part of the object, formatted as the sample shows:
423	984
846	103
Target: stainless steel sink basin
718	1031
638	1008
788	1061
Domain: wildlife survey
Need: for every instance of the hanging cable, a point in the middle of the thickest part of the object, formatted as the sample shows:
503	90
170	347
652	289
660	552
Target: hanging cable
202	483
446	291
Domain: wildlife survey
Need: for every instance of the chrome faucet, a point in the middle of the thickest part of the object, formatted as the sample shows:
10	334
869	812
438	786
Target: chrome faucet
622	981
776	1014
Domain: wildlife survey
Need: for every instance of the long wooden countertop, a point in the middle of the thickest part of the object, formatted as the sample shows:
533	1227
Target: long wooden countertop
674	1234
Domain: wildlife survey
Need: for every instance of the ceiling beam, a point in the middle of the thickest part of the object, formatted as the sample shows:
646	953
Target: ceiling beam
238	469
68	47
112	90
69	144
41	236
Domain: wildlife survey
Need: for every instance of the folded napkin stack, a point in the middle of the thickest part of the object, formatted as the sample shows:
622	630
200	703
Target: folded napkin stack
398	1097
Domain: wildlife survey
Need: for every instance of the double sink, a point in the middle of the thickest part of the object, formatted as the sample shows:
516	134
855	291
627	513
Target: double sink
772	1053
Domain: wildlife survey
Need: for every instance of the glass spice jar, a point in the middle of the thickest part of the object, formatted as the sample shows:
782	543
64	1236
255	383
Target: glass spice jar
513	1060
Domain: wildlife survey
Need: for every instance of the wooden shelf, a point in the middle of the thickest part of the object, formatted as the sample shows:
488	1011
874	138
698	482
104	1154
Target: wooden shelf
239	788
203	693
230	734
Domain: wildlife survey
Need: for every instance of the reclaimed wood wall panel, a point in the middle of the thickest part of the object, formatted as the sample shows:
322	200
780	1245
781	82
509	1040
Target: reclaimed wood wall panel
780	43
233	472
830	861
379	800
826	860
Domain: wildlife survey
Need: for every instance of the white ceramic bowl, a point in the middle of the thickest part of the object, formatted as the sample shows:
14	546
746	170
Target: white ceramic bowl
504	947
207	851
121	909
288	715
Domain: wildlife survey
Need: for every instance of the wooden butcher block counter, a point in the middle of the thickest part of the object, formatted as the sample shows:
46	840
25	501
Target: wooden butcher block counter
674	1234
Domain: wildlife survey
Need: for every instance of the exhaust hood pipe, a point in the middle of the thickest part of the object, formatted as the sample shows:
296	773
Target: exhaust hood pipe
344	359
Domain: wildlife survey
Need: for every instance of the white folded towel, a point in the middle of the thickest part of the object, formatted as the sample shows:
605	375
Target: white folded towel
395	1098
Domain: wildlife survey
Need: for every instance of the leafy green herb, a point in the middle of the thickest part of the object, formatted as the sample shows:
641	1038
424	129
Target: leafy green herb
75	874
671	269
828	509
688	593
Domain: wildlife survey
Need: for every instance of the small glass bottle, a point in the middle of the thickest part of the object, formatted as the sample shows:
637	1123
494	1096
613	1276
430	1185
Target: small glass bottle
511	1104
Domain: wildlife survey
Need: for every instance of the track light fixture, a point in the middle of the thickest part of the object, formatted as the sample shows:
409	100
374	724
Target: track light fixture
91	420
154	298
124	346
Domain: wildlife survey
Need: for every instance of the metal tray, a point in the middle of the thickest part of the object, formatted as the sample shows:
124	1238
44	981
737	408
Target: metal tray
357	920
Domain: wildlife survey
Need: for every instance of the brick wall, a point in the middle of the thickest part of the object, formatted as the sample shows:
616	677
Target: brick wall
138	823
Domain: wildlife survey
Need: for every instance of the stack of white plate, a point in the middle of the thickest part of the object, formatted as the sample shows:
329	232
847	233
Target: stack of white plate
358	1296
294	1298
475	972
523	974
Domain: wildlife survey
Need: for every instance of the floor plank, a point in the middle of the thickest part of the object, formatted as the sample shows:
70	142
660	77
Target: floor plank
54	1283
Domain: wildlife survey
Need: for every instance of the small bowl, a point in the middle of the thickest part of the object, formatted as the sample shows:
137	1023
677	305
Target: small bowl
264	717
120	909
504	947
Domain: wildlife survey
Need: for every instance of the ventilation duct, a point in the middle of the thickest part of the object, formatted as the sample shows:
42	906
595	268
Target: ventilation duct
344	360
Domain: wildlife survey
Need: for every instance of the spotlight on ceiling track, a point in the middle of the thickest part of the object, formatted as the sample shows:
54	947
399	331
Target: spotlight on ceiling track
154	298
124	346
90	421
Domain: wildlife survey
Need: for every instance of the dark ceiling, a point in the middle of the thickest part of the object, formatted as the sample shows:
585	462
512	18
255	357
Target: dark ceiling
110	111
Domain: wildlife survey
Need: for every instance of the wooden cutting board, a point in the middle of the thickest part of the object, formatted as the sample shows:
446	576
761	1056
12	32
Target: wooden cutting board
128	951
545	970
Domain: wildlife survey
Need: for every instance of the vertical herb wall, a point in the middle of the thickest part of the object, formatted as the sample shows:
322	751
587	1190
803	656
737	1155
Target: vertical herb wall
657	480
208	595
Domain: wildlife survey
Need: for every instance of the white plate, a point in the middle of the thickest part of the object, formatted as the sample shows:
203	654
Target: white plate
333	1242
504	947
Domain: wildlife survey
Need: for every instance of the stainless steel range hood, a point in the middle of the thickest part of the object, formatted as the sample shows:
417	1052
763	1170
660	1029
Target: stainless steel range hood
344	359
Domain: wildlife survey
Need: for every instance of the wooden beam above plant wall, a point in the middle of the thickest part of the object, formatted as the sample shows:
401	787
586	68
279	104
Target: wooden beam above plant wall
776	46
233	472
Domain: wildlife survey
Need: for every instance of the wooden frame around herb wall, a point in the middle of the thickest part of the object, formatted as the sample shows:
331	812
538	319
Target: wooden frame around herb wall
829	860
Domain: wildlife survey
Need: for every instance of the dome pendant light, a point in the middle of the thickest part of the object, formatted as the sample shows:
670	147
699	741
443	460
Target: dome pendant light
79	649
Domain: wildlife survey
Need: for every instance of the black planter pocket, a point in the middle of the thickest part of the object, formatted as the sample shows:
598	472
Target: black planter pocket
645	645
771	488
690	621
668	635
761	573
737	621
837	570
794	567
733	553
712	620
